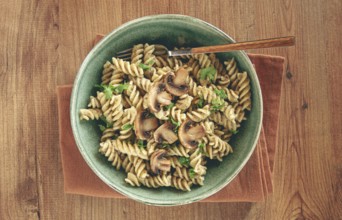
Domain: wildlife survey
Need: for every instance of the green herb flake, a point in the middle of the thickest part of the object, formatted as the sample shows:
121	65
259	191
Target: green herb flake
234	131
200	102
108	124
168	107
102	128
126	126
144	66
217	104
120	88
184	161
220	93
106	89
201	146
176	124
208	73
141	144
192	173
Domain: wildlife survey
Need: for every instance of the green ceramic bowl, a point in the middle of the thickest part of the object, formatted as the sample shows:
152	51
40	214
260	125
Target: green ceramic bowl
170	30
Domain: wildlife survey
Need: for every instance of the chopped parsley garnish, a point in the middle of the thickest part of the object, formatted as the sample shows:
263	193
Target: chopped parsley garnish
217	104
109	89
208	74
201	146
234	131
120	88
144	66
192	173
166	145
108	124
127	126
220	93
141	144
200	102
184	161
168	107
176	124
102	128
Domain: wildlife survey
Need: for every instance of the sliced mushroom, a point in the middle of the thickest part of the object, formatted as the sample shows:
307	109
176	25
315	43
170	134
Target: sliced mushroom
176	82
144	123
158	161
158	97
165	133
190	133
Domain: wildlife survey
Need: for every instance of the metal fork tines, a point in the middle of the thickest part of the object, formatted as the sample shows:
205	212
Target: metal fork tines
159	50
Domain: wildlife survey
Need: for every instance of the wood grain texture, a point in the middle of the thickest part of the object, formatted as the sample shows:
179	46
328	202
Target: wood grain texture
44	42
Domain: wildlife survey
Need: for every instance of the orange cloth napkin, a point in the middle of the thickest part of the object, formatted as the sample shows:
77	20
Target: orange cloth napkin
252	184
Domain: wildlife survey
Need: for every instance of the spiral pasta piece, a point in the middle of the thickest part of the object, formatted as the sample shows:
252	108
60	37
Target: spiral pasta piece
94	102
160	73
181	184
151	146
193	88
90	114
139	167
132	179
128	148
178	150
143	83
208	94
175	162
137	53
199	114
203	59
128	118
157	181
218	65
222	146
127	68
208	126
107	72
221	119
116	78
244	89
111	154
108	133
162	115
196	162
111	108
134	96
228	111
232	70
184	102
149	58
196	67
177	114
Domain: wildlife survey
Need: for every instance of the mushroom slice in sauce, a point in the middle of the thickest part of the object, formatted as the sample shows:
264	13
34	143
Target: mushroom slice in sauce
158	97
165	133
190	133
175	83
144	123
158	161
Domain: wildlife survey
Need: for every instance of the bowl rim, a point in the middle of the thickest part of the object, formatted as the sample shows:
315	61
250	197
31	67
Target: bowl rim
74	122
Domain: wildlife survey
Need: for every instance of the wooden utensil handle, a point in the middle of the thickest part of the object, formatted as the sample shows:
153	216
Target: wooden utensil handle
266	43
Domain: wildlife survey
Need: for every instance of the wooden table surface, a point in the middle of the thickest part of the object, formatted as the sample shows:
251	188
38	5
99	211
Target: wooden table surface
44	42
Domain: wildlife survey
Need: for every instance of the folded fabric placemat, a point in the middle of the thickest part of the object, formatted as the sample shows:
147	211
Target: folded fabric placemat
252	184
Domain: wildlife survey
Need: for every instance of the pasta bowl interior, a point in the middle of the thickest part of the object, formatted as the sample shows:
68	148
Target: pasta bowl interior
165	121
